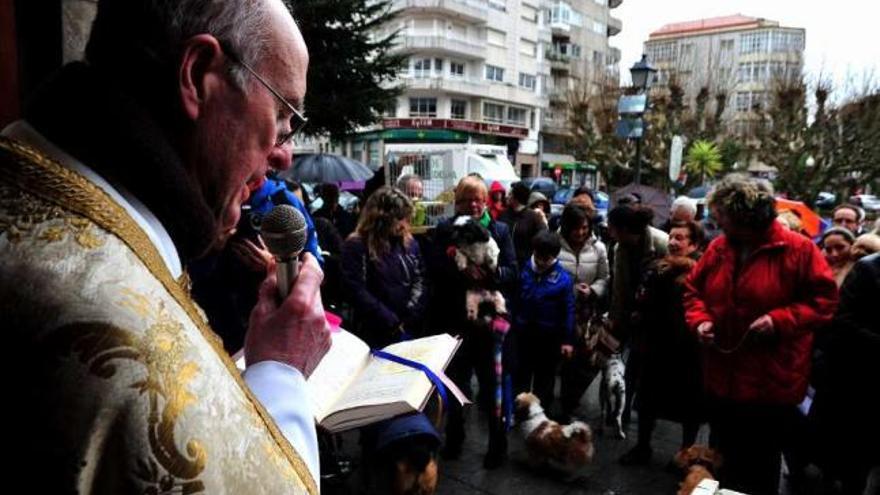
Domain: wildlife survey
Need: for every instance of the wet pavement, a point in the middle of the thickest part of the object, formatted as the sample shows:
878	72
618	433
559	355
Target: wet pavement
603	477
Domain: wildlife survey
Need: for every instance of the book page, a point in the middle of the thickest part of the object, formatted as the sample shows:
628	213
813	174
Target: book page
347	357
385	382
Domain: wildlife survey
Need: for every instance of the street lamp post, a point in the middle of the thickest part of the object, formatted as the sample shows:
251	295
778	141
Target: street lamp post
642	76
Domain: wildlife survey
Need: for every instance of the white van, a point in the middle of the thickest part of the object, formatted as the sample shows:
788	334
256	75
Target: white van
441	166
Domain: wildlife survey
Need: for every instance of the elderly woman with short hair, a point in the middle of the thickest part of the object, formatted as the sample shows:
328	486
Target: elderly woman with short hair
754	300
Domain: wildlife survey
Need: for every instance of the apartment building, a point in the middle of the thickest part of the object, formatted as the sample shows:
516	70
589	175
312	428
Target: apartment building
741	55
581	62
475	74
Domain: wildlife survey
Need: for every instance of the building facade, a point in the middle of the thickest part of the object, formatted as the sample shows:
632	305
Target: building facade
483	72
742	56
581	62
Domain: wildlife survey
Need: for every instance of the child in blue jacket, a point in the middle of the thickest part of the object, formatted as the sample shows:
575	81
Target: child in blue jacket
543	319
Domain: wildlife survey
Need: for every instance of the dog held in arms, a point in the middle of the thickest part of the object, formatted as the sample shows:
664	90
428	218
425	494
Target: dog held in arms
475	248
549	443
698	462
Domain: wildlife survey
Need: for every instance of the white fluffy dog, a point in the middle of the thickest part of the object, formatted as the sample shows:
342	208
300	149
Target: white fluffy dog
612	393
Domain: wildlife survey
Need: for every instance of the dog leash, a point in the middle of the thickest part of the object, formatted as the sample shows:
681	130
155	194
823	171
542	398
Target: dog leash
735	348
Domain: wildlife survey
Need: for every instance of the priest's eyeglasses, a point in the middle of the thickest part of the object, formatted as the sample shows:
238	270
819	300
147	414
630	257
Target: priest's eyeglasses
297	119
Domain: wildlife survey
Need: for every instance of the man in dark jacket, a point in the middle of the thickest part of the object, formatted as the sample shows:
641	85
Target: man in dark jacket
846	409
523	222
476	353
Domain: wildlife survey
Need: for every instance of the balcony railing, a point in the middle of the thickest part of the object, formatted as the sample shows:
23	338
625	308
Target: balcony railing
442	44
613	56
555	124
615	25
473	11
448	84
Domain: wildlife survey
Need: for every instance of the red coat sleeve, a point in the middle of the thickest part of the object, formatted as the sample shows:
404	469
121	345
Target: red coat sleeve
695	311
816	298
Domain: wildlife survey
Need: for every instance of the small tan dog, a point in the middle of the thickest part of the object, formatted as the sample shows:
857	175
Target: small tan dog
698	462
563	446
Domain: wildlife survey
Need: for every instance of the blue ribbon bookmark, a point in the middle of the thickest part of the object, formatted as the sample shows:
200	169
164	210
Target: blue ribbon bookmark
441	389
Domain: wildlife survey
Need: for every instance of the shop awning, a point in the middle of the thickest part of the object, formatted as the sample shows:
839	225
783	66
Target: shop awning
564	162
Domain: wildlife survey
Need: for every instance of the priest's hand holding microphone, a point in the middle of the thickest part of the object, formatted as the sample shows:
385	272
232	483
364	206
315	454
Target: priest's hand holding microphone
288	324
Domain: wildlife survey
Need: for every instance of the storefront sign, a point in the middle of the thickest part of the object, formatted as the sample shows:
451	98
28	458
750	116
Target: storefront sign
458	125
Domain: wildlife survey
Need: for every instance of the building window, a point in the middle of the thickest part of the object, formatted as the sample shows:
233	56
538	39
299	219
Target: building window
494	73
528	48
562	13
516	116
527	81
458	109
753	42
422	67
456	69
423	107
457	31
726	45
661	52
496	37
498	5
786	41
601	2
746	101
438	66
686	50
752	72
493	112
599	28
529	13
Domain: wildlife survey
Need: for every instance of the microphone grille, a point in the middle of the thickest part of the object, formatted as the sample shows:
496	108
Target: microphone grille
284	231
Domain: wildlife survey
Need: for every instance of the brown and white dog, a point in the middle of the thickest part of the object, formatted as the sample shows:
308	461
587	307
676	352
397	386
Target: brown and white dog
698	462
549	443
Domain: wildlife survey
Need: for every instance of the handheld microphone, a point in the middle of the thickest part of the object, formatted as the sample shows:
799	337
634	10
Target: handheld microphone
284	232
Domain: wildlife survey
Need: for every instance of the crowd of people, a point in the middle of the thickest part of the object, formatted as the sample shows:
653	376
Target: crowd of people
721	332
143	169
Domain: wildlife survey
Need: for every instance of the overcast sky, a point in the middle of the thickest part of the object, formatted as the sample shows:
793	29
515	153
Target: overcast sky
843	36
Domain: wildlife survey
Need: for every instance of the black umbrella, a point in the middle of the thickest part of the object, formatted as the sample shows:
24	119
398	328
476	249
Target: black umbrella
649	196
324	167
699	192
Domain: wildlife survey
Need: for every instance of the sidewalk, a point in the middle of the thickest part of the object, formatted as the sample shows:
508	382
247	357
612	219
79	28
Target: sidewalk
603	477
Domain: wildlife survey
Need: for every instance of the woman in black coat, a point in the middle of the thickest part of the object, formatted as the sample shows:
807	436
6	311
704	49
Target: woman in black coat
670	386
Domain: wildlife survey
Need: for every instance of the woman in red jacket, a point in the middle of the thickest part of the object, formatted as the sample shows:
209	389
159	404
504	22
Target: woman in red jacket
754	300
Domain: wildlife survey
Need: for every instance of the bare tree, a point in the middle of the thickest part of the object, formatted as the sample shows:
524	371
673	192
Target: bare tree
835	147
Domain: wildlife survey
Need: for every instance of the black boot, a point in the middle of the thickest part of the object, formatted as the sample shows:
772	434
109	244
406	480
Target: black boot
454	435
497	453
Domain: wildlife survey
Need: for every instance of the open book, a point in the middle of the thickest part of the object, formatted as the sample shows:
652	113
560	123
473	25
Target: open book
352	388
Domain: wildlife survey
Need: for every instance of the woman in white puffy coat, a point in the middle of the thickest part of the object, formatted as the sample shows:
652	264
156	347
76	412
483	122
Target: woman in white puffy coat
586	259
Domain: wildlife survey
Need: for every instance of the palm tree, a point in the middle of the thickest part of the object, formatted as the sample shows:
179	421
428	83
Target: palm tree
704	158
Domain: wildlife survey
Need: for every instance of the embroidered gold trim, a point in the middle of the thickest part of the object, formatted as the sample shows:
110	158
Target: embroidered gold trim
42	176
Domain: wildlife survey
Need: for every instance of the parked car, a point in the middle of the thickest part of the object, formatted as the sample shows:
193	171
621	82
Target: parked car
543	185
560	199
869	202
826	200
